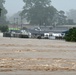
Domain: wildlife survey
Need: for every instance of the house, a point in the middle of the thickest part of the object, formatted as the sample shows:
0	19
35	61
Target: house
17	34
58	32
48	32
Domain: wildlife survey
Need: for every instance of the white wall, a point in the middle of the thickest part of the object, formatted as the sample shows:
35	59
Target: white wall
1	34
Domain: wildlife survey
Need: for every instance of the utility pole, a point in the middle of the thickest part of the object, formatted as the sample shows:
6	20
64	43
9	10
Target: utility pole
21	22
14	22
17	22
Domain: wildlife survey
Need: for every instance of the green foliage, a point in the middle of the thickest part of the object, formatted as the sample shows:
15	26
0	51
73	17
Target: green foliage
71	14
4	28
70	22
3	13
61	18
71	35
0	11
39	12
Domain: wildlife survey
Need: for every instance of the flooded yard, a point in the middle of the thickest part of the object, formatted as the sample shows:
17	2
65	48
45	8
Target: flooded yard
37	57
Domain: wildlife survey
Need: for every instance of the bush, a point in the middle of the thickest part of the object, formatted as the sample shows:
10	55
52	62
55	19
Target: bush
71	35
4	28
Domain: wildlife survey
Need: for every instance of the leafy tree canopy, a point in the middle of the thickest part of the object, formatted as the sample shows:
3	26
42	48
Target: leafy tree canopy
3	13
39	12
71	35
62	19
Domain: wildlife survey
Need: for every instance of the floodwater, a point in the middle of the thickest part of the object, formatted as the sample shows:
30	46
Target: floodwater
37	57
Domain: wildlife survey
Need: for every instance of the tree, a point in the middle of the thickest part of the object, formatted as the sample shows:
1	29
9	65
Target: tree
3	13
0	11
62	18
71	14
4	28
38	12
71	35
70	22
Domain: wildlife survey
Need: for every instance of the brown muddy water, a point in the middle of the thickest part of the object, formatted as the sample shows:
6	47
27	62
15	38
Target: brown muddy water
37	57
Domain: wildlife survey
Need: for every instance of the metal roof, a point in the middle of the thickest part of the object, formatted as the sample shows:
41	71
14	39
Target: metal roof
47	29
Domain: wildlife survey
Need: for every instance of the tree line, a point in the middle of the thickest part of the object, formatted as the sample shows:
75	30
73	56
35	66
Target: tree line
37	12
41	12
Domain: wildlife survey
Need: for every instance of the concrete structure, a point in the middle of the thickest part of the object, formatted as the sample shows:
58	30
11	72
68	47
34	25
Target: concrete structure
1	34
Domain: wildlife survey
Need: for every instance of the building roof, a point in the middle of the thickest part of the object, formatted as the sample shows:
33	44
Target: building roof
59	29
47	29
37	32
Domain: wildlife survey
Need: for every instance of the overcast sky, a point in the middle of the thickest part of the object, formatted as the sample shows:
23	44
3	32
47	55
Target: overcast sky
13	6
